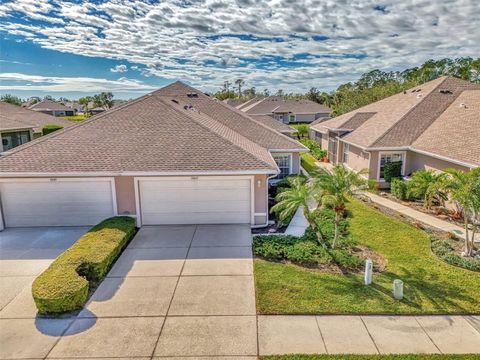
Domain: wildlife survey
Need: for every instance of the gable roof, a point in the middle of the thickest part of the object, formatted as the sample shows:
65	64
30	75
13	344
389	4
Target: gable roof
274	124
153	134
230	117
276	104
49	105
400	120
17	117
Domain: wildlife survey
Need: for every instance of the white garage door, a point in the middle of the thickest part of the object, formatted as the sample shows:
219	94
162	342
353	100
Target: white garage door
56	203
195	201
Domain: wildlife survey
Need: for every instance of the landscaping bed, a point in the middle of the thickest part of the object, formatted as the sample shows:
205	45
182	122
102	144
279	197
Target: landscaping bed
431	285
65	285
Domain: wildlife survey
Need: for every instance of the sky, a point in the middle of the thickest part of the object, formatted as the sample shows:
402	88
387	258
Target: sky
73	48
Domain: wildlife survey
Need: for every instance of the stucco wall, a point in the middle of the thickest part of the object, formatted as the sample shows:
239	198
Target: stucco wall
305	117
373	164
357	159
417	161
295	163
125	195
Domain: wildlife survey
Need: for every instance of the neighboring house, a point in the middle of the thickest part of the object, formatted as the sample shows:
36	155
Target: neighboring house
233	102
19	125
274	124
432	126
52	108
174	156
286	110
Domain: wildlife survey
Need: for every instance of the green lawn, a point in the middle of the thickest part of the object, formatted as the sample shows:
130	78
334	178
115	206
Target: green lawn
374	357
431	286
75	117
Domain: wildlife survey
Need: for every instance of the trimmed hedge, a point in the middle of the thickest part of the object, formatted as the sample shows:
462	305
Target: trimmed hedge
399	189
64	285
49	128
392	170
308	163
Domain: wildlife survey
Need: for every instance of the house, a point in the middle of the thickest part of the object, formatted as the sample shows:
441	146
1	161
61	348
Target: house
19	125
52	108
274	124
432	126
286	110
174	156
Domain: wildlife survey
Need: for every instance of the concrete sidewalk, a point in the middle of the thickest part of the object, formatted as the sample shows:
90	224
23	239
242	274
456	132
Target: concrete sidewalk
418	215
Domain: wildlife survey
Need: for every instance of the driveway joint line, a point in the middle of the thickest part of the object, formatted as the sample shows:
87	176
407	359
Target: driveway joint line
428	335
370	335
321	335
470	324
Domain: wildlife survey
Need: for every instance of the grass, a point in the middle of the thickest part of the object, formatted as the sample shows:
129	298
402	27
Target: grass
308	163
74	117
431	285
375	357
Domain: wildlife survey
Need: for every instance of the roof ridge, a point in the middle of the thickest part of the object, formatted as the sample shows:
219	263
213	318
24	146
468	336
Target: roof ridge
65	130
182	110
429	95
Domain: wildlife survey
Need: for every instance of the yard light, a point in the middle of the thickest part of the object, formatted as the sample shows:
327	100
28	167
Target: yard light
398	289
368	271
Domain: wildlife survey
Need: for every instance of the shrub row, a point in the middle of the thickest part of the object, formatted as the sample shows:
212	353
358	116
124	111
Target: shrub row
49	128
444	250
65	284
314	148
308	163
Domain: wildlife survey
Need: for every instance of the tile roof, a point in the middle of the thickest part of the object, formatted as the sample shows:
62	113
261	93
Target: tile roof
275	104
400	120
165	131
13	117
274	124
48	105
455	134
230	117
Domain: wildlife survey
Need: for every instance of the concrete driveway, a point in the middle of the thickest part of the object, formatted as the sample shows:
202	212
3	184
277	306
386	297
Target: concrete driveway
175	291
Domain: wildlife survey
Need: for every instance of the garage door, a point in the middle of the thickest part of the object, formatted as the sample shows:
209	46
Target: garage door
56	203
195	201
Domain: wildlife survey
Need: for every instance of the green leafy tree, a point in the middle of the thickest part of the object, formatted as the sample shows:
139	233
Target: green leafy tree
334	189
104	99
429	186
464	188
86	101
11	99
302	131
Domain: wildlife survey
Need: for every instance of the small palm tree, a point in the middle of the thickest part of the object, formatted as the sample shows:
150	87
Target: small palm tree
428	185
464	188
299	194
335	188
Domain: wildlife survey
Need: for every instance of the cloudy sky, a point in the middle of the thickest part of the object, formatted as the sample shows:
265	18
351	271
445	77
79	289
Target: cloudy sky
71	48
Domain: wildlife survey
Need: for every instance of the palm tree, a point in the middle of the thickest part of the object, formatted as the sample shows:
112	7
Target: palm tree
464	188
239	83
299	194
335	188
428	185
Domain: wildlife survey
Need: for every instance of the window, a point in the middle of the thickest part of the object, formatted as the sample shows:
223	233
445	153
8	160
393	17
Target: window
387	158
283	163
292	118
346	149
14	139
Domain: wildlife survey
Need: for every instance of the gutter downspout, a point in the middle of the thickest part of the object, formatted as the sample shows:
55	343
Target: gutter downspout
267	219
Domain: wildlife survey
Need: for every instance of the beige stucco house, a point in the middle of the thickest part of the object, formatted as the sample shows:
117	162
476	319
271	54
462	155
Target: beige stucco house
286	110
52	108
432	126
174	156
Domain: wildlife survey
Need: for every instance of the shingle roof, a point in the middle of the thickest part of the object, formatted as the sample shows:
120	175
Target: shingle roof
13	117
273	124
48	105
275	104
400	120
231	117
151	134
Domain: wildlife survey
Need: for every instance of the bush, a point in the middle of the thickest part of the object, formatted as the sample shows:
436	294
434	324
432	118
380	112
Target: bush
325	218
444	250
64	285
49	128
308	254
315	149
346	260
399	188
392	170
308	163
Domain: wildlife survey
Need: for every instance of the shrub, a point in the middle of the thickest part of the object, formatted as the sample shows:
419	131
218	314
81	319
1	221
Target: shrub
49	128
392	170
308	163
399	188
444	250
64	285
308	253
346	260
325	218
315	149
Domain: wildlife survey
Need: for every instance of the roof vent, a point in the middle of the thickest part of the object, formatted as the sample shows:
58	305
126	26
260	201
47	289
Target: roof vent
188	107
419	95
463	105
175	101
445	91
192	95
404	92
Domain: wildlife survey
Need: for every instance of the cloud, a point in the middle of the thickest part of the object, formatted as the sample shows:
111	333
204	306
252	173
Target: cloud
18	81
271	43
119	68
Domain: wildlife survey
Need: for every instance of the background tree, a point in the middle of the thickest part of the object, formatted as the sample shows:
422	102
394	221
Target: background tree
86	102
239	83
104	99
11	99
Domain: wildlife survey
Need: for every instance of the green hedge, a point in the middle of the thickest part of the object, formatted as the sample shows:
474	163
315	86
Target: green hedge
399	188
392	170
308	163
64	285
49	128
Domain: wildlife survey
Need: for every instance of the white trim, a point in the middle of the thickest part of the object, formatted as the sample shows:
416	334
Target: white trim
404	160
260	214
352	144
290	151
290	164
136	182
